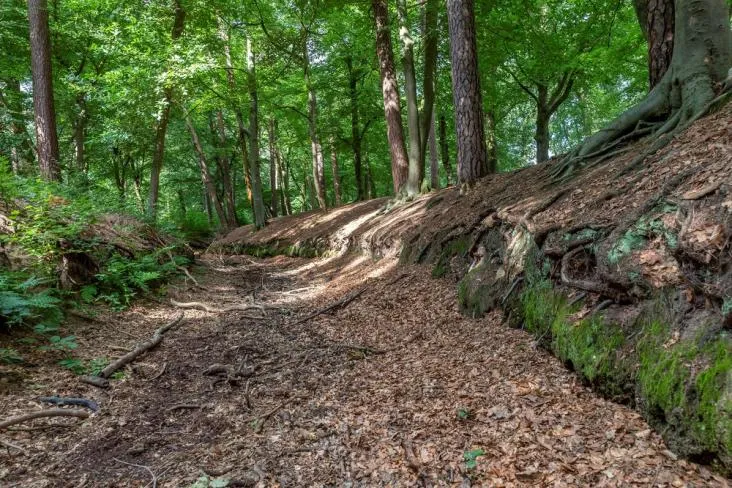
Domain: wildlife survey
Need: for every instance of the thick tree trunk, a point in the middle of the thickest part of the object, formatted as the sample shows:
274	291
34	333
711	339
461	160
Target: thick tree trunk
224	164
316	148
434	164
206	173
45	114
415	173
336	176
355	131
541	135
257	197
162	126
430	67
656	19
471	149
445	150
273	172
390	91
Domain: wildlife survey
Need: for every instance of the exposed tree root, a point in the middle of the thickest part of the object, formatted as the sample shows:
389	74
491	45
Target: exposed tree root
100	380
211	309
586	285
61	401
52	412
338	304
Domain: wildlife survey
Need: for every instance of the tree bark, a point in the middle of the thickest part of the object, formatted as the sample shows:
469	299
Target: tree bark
444	149
285	179
656	19
471	148
273	170
390	92
43	103
162	126
434	164
315	146
224	164
415	172
541	134
430	67
206	173
355	131
257	198
336	175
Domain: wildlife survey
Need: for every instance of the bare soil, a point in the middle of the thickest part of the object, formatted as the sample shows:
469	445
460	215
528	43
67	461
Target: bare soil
394	388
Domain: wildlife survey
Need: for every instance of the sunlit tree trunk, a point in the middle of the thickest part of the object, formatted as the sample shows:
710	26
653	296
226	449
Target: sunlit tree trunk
257	197
471	149
45	114
390	92
162	125
415	172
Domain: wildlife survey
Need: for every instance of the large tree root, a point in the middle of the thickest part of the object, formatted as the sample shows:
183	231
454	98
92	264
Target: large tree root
338	304
101	380
52	412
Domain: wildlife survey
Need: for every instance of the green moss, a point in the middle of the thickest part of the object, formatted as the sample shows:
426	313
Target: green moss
715	401
456	247
590	345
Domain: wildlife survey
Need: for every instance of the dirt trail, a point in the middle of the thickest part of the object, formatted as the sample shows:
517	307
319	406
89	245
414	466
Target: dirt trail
395	388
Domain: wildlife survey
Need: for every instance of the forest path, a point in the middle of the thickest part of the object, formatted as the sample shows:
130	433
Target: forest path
394	388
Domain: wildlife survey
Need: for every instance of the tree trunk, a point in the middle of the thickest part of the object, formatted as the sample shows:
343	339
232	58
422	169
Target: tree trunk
257	198
162	126
471	149
444	149
273	173
45	114
656	19
415	172
430	67
336	175
390	92
285	179
205	173
434	165
315	147
541	135
224	164
700	64
79	124
355	131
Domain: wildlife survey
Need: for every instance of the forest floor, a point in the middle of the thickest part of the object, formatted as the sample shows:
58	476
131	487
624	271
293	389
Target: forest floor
393	388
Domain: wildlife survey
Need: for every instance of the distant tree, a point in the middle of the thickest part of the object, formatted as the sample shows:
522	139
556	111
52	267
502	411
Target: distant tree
46	136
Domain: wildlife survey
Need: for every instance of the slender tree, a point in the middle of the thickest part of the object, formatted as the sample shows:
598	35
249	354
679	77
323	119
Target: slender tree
257	197
444	149
390	92
415	172
434	165
273	169
336	173
471	149
45	114
430	67
206	177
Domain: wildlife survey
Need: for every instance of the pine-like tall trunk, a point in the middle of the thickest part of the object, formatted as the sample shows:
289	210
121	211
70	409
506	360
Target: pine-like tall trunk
43	104
162	126
415	173
257	197
471	149
390	92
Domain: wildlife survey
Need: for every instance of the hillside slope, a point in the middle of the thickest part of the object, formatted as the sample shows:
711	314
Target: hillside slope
624	273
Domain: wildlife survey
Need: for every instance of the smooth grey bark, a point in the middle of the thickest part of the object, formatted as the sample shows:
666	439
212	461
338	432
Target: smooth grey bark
161	128
390	93
415	172
467	98
254	159
285	179
43	103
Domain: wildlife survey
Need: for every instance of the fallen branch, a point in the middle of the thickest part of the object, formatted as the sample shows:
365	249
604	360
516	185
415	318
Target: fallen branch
210	309
53	412
338	304
10	445
152	474
61	401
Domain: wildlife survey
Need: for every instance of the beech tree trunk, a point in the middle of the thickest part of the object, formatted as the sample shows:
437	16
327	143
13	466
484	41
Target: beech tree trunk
316	148
471	149
162	126
206	173
444	149
390	92
430	67
285	179
257	197
336	175
415	173
45	114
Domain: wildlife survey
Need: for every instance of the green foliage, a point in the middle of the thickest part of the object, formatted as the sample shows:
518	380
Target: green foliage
204	481
590	346
80	367
23	303
470	457
9	355
61	344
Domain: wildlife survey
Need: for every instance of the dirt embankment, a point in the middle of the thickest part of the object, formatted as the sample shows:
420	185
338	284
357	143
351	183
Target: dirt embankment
624	273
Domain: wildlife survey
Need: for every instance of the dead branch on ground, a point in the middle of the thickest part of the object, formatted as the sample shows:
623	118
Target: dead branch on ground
230	308
52	412
63	401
